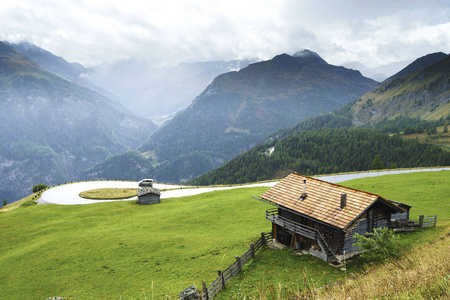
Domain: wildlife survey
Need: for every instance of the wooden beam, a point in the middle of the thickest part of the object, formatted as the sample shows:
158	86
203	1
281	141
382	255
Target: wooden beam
262	200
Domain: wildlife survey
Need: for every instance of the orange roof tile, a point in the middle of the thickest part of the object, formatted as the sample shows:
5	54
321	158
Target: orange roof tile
323	200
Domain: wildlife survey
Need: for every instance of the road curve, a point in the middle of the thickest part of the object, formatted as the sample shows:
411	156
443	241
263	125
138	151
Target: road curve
69	194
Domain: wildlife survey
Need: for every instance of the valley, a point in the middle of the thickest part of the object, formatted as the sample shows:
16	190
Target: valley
52	129
143	252
87	135
288	150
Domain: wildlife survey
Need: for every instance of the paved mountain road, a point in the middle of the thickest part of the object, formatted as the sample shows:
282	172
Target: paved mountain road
69	194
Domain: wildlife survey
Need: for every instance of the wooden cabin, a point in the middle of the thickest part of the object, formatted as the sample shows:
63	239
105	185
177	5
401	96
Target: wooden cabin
322	217
148	195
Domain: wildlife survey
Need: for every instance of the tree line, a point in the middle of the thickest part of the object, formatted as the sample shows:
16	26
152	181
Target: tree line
325	151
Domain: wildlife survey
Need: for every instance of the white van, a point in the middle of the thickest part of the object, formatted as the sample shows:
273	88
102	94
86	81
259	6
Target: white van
146	182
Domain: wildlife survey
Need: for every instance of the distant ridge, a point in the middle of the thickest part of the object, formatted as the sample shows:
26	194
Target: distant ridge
313	145
424	92
379	73
240	108
418	65
72	72
51	129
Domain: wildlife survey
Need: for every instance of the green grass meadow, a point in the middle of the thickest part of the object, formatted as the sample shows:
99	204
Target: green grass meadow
121	250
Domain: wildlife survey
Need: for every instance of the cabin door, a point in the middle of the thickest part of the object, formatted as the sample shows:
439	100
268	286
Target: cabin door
370	221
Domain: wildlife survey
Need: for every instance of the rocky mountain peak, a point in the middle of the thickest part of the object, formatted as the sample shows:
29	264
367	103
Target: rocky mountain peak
306	53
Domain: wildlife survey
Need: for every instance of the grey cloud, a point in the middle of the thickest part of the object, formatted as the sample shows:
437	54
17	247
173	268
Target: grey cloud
90	32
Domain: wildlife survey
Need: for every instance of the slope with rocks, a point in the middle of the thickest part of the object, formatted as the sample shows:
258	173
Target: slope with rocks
424	93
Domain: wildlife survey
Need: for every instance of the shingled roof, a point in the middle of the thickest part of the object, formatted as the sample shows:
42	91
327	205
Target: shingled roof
323	200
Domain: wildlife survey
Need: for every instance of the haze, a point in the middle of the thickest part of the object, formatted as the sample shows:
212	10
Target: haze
173	31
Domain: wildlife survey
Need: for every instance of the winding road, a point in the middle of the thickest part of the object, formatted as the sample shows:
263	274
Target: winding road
69	194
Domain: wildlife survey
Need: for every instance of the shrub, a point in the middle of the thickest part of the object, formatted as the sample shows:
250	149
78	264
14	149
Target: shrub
39	187
379	244
28	203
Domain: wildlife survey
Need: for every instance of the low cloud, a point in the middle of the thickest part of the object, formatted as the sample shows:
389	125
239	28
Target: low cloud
169	32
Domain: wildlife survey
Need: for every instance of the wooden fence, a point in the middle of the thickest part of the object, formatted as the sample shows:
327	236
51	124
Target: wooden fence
426	222
225	276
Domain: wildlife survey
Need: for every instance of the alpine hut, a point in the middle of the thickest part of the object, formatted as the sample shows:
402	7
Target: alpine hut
147	194
323	217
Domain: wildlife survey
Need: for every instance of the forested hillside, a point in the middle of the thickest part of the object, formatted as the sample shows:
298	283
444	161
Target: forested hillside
221	120
326	151
130	165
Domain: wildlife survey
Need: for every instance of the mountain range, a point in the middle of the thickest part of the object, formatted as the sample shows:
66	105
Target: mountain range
159	92
152	92
51	128
240	108
379	73
331	142
63	122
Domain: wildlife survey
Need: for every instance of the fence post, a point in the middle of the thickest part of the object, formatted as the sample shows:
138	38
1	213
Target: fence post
238	262
263	238
421	221
205	290
435	217
222	280
252	250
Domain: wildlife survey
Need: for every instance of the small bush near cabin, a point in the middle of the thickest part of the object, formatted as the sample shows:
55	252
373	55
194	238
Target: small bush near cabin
379	244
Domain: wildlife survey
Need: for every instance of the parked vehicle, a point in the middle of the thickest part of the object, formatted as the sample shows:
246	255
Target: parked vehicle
146	183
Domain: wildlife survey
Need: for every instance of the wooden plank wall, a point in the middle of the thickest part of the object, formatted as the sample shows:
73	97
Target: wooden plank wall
148	199
377	216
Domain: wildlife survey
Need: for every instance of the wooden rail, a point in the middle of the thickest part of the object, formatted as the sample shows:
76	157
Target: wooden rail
426	222
303	230
225	276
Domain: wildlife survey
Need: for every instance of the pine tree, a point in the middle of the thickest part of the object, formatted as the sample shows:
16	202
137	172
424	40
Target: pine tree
377	164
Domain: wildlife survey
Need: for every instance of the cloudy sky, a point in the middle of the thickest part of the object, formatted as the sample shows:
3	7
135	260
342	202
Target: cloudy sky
172	31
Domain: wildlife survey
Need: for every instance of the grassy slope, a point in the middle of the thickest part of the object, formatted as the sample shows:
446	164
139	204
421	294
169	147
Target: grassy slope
108	193
418	274
406	96
440	138
113	250
428	193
